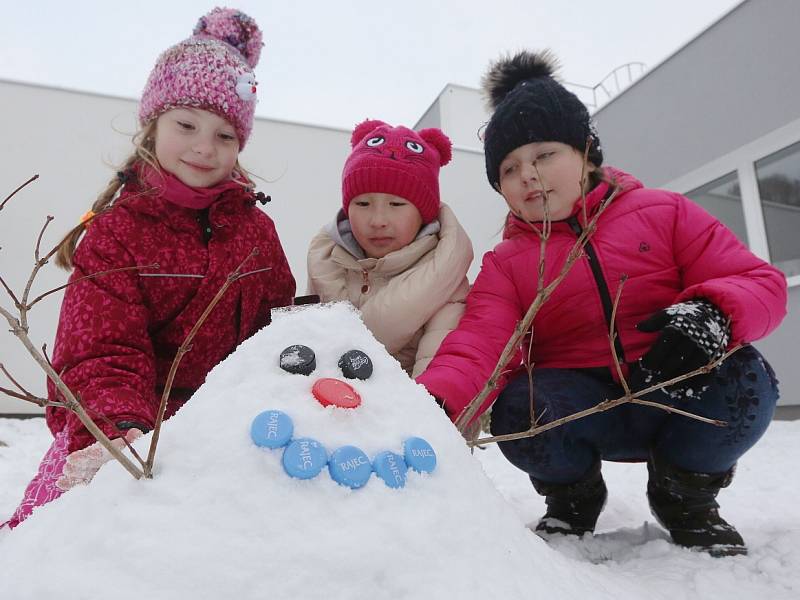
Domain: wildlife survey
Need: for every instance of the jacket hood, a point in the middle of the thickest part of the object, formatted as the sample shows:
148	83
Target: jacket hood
341	233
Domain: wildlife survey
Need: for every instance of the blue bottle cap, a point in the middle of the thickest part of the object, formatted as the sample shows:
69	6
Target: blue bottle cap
350	466
391	468
419	455
304	458
272	429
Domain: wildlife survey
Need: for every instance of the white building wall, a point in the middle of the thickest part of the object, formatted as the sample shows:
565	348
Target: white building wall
463	116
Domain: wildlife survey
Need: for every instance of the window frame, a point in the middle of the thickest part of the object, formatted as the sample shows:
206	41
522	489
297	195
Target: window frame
743	162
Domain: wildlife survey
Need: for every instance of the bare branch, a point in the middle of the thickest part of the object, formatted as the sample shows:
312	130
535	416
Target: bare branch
11	195
43	402
19	327
69	401
243	275
171	275
544	236
47	358
39	239
14	394
23	312
183	349
584	175
522	326
92	276
629	398
14	381
678	411
612	336
10	292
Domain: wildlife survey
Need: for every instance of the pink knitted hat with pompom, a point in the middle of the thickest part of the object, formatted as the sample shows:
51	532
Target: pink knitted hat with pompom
212	70
397	161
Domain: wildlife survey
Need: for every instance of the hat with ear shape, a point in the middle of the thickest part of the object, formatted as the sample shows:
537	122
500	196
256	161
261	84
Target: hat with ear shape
397	161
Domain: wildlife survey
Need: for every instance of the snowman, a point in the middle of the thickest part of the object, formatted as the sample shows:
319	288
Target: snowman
276	482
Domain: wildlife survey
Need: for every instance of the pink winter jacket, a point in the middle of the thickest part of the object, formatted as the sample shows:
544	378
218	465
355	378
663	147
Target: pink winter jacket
670	249
118	333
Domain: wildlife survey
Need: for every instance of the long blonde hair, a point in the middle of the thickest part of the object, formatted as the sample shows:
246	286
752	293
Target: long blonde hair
144	151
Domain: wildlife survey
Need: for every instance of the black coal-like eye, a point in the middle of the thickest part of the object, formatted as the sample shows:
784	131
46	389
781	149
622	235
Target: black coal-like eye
375	141
298	359
414	147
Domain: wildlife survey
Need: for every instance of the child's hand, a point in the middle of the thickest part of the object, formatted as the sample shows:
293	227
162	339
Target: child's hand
82	465
692	334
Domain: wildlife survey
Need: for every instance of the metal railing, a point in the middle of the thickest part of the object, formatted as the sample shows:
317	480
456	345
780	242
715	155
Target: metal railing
611	85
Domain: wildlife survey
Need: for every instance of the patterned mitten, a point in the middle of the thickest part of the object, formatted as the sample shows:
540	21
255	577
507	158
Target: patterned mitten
82	465
693	333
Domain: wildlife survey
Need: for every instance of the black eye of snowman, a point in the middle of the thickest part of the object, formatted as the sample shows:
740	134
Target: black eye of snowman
298	360
355	365
375	141
414	147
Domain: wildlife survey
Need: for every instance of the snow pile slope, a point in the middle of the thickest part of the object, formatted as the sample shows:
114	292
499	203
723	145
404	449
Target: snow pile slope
222	519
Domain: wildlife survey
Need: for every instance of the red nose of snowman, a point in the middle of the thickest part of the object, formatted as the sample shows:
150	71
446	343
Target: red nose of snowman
334	392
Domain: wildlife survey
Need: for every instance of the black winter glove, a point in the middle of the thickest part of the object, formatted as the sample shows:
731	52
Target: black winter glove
128	425
693	333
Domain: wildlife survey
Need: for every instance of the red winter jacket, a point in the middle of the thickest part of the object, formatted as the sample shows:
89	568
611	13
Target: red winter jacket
118	333
670	249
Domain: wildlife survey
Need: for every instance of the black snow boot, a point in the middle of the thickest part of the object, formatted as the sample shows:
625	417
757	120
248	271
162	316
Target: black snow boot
572	508
684	503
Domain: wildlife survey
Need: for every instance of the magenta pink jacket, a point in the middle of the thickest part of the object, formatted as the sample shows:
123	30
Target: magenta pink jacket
670	249
118	334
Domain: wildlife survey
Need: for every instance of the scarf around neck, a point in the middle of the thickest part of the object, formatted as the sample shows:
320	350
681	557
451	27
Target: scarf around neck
175	191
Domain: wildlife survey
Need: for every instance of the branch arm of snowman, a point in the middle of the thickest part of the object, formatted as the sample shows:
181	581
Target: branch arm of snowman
542	295
525	325
628	397
19	327
185	347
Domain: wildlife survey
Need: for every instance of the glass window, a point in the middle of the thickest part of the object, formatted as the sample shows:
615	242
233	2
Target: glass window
723	199
779	187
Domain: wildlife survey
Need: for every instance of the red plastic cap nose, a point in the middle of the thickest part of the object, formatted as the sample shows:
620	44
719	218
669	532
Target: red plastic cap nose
333	392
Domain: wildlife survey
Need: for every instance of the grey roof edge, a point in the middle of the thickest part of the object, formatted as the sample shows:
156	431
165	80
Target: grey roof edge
672	55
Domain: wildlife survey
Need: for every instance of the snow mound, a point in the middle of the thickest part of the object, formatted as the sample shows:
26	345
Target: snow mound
221	519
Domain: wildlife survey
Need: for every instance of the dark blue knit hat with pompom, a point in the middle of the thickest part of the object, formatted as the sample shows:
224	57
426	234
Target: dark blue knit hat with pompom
531	106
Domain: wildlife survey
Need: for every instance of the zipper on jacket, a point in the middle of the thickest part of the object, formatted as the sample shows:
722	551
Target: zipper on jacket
364	282
205	225
602	286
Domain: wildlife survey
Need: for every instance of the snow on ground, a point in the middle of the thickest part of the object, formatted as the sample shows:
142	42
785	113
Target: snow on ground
222	520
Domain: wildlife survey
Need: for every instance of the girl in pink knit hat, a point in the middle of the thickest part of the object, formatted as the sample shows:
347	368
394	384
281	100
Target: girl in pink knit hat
181	205
393	250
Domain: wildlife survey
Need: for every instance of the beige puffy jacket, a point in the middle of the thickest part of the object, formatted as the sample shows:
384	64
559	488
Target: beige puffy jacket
411	298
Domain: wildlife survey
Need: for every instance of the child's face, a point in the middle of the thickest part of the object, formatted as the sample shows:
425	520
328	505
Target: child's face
383	223
559	174
197	146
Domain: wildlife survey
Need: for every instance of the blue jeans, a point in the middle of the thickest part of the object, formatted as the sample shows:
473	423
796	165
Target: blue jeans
742	391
